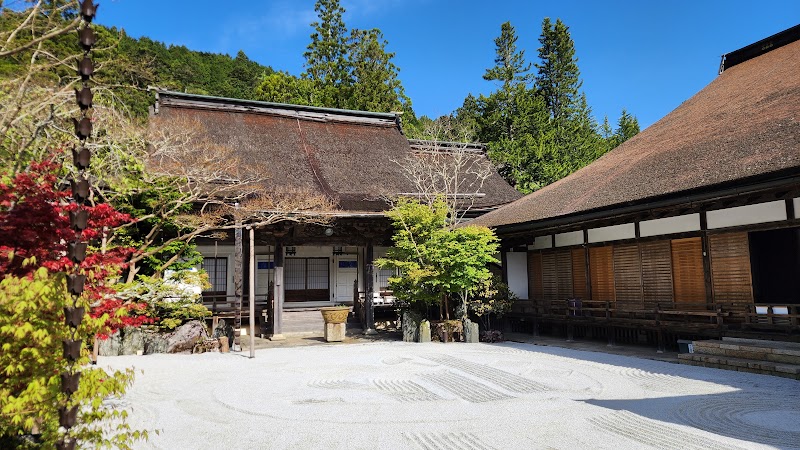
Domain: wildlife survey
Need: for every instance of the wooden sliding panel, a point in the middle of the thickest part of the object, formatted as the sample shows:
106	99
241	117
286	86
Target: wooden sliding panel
656	273
628	276
579	273
564	274
535	291
601	268
688	281
730	269
549	276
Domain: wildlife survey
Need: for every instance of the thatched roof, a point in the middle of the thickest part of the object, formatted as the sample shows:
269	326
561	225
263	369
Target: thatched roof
744	125
351	156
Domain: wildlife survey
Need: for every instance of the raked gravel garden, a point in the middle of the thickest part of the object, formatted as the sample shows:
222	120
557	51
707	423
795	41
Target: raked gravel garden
394	395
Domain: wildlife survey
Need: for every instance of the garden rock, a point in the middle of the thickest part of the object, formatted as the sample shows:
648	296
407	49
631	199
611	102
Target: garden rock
424	331
471	333
155	343
132	341
111	346
410	326
184	338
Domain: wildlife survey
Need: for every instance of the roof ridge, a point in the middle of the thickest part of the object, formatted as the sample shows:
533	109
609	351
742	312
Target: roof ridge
297	110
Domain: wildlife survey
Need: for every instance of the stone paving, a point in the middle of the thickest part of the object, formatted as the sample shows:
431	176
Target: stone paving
452	396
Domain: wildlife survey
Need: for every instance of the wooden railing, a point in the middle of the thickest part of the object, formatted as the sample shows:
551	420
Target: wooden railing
690	318
773	316
226	305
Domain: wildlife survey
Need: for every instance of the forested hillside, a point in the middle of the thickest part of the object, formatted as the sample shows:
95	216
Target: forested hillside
128	66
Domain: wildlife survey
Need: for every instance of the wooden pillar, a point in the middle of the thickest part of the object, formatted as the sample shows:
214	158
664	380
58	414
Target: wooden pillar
252	292
706	258
504	264
238	285
277	301
369	266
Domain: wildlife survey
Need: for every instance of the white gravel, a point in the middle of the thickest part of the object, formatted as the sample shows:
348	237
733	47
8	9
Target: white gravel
452	396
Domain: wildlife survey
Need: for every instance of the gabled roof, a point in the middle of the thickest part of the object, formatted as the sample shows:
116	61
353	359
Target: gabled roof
743	125
350	156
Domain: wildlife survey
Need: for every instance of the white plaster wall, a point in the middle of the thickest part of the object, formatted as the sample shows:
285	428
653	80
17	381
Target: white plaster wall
669	225
747	215
517	270
541	242
796	202
612	233
570	238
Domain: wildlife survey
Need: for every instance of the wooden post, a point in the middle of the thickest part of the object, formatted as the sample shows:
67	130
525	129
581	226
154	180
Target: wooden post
238	285
570	325
369	326
277	302
660	329
609	327
252	292
706	258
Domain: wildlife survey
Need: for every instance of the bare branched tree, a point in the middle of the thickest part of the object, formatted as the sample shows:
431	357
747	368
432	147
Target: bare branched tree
204	188
37	91
447	165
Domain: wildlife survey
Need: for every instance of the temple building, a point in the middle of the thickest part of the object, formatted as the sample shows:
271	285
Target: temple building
690	228
355	159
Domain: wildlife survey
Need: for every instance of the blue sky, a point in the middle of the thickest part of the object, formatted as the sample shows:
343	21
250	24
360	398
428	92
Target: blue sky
646	56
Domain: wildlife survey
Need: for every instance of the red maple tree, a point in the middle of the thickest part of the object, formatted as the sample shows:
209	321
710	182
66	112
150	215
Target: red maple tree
35	232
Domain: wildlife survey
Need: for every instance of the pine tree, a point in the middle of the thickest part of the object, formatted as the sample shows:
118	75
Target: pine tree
376	86
510	66
326	58
558	77
627	127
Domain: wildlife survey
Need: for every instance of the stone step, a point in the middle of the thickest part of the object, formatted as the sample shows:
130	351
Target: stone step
768	351
742	365
762	342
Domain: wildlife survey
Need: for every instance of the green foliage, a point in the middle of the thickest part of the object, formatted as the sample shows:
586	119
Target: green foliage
31	330
376	83
558	77
280	87
435	262
539	133
510	65
493	299
347	69
327	55
173	300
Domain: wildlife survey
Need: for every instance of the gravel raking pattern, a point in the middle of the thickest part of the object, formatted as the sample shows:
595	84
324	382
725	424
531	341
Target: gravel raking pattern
405	391
465	388
506	380
729	414
651	432
447	441
452	396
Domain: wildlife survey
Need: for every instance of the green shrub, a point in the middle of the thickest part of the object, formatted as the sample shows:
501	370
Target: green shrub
171	301
495	299
31	361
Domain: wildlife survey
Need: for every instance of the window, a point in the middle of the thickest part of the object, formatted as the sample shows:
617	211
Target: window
217	270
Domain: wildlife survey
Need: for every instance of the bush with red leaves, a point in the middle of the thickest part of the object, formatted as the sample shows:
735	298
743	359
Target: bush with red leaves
35	226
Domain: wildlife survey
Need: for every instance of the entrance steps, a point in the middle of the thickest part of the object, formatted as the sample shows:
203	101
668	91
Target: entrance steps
780	359
306	321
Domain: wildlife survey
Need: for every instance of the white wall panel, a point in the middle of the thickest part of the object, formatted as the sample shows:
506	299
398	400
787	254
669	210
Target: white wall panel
541	242
570	238
669	225
612	233
747	215
517	263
